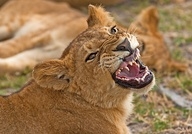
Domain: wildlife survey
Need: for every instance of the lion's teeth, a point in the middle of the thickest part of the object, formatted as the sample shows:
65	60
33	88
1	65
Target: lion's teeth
137	65
118	72
127	68
131	63
143	78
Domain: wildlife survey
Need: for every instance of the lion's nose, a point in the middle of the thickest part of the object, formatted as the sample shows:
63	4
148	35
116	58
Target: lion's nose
124	46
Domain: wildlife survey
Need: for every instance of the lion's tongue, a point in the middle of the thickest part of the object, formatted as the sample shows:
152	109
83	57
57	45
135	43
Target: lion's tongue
129	74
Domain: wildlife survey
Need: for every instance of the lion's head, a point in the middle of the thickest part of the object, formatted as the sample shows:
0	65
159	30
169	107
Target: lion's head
102	64
155	51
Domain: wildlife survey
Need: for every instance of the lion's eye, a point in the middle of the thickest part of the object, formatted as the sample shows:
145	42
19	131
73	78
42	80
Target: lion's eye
91	56
114	30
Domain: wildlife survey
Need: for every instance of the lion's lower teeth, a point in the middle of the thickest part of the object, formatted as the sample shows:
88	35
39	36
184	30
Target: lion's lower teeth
137	79
127	79
143	78
118	72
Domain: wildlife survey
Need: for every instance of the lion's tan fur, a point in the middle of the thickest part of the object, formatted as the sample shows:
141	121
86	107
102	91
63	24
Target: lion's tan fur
30	36
69	95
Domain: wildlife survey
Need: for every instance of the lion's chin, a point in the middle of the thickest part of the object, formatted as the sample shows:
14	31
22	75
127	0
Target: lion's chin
132	73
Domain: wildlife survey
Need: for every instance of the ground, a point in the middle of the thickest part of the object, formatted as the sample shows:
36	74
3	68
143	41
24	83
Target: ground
156	114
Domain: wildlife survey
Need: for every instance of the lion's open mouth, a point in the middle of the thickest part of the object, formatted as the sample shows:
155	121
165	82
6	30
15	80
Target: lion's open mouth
132	73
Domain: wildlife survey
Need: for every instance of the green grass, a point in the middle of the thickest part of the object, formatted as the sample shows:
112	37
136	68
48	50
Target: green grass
157	115
151	114
177	54
175	19
159	125
185	82
12	83
181	40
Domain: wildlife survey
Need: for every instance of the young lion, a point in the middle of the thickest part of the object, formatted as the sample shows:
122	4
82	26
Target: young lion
88	90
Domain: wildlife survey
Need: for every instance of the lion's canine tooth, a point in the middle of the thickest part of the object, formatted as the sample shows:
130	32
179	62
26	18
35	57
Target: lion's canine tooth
142	79
127	68
126	79
131	63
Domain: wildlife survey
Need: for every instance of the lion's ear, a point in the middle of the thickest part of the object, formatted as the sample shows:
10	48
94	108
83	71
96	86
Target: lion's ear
98	16
51	74
149	19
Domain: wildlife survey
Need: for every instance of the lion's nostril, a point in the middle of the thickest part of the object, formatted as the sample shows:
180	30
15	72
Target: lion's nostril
124	46
121	48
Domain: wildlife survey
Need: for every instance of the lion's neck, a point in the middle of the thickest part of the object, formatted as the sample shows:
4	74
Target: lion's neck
119	115
113	100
